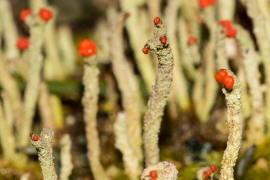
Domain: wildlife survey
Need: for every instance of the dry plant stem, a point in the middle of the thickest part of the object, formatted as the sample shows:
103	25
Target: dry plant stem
256	124
45	107
159	96
235	125
33	79
260	30
128	86
122	142
66	158
67	49
90	105
179	84
11	88
45	154
137	38
9	29
165	171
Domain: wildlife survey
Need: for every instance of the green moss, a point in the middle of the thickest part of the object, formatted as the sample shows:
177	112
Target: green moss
121	176
263	151
188	172
213	158
256	173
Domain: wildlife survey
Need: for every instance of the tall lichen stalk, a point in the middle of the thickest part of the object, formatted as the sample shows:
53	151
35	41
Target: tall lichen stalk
90	105
235	125
255	132
159	96
129	88
33	77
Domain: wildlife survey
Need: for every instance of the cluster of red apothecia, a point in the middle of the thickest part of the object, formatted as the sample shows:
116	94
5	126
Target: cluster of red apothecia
206	174
153	175
86	47
162	39
223	77
228	30
33	137
44	14
205	3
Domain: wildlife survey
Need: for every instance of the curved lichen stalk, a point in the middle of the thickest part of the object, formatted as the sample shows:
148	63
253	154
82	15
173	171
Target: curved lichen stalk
235	125
159	96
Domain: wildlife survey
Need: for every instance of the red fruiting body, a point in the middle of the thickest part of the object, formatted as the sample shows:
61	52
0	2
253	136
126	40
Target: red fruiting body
207	174
228	82
225	23
35	138
212	2
22	43
205	3
24	13
30	134
191	40
228	29
213	168
45	14
145	50
220	75
153	174
231	32
156	20
86	48
163	40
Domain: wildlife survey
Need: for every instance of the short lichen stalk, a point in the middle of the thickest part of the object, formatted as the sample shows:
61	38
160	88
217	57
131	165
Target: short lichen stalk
90	104
122	142
43	145
160	93
232	92
66	159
